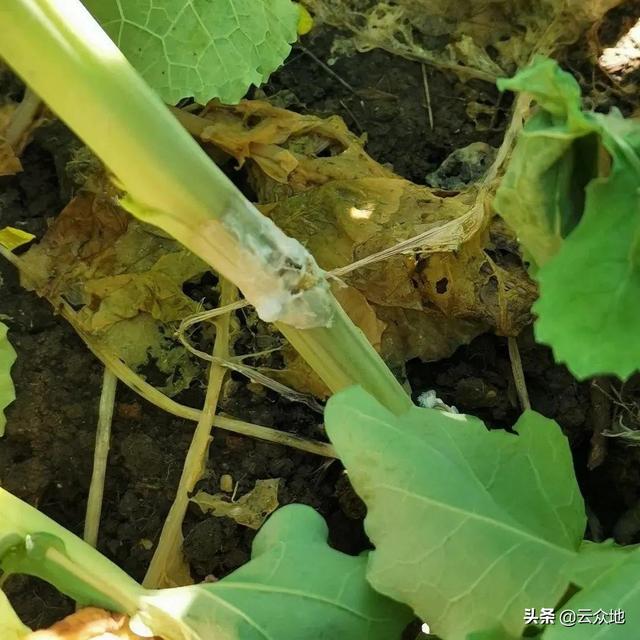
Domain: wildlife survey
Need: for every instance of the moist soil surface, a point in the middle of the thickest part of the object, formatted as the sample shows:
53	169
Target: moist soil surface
46	455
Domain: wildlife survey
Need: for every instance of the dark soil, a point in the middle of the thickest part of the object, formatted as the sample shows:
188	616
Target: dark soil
385	99
47	453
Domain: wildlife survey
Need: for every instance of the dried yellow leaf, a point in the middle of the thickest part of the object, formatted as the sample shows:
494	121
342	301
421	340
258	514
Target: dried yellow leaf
126	280
462	276
251	510
12	238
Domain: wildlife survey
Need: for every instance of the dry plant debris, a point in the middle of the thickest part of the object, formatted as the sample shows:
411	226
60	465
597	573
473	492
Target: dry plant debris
9	158
125	278
312	176
89	624
314	179
475	39
250	510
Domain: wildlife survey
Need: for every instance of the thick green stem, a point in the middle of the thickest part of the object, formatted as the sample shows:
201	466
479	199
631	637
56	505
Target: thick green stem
62	53
342	354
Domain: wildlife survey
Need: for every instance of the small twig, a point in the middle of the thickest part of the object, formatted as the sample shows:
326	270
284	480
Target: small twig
345	106
327	68
156	397
170	541
518	373
235	364
210	314
100	455
496	110
427	94
520	111
446	237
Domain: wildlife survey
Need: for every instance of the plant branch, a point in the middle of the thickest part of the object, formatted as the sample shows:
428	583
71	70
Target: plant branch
22	119
100	456
170	542
518	373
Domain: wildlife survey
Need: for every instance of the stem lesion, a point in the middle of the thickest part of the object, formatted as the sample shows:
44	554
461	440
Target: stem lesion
172	183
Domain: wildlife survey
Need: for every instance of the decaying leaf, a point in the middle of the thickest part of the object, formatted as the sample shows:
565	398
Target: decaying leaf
314	179
478	39
289	152
176	571
125	279
12	238
89	624
9	163
361	313
251	510
420	270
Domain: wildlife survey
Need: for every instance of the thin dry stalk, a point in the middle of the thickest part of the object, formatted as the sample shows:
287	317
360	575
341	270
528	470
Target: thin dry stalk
170	541
518	374
100	456
427	95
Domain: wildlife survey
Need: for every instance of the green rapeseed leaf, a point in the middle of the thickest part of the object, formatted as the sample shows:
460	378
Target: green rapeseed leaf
596	558
295	587
7	358
201	48
540	195
610	579
470	526
577	216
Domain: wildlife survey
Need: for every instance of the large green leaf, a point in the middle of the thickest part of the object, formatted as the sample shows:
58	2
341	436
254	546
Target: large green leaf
582	231
610	576
11	627
470	526
7	358
201	48
295	587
